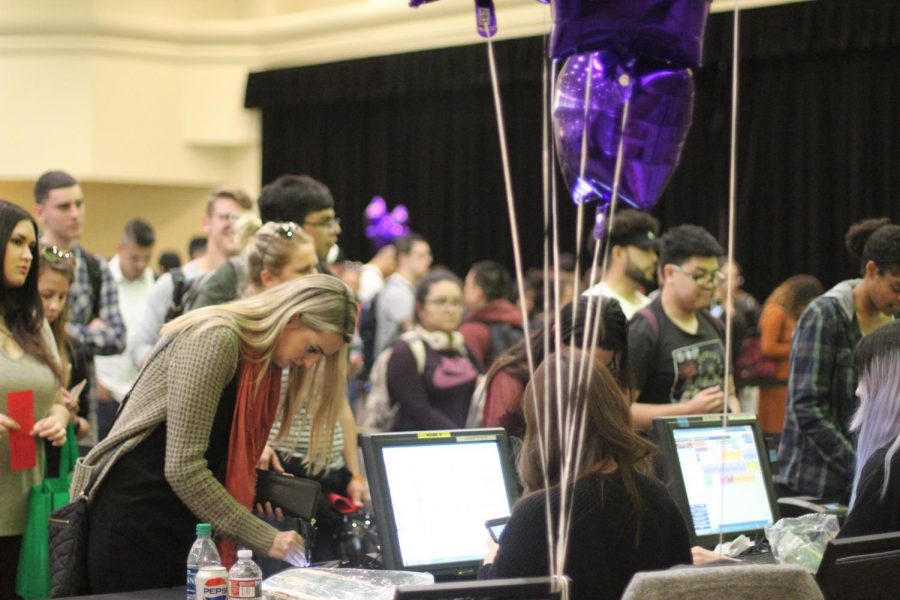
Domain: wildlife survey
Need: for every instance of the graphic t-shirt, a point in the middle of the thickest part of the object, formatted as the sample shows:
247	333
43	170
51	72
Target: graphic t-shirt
671	365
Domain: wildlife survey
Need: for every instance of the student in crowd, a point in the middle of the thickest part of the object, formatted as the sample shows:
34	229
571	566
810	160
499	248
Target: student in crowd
622	520
430	375
373	274
166	262
131	272
94	316
56	272
395	305
492	323
289	199
776	328
197	247
506	380
185	445
223	207
28	361
675	346
744	308
633	255
816	455
875	503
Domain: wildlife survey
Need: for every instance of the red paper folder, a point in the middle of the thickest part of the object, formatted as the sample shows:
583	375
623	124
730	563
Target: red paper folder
20	408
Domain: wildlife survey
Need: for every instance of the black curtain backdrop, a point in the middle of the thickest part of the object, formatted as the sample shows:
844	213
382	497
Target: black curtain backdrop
819	140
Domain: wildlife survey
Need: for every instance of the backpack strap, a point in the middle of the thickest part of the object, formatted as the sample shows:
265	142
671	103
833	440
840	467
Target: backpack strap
417	347
176	307
95	276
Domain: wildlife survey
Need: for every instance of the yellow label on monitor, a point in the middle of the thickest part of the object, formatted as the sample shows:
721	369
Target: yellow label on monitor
433	434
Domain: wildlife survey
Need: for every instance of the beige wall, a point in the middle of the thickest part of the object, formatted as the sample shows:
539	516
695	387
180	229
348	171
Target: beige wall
175	212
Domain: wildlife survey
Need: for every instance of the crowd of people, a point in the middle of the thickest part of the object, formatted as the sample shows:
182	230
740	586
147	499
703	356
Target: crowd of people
261	352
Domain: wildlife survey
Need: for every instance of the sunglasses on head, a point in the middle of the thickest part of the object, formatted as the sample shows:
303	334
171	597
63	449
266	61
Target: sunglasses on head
55	253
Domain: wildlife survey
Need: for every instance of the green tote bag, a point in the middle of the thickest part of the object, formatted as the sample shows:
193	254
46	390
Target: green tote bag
33	575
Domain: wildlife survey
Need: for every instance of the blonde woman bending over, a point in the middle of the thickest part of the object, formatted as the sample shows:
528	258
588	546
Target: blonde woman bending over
185	444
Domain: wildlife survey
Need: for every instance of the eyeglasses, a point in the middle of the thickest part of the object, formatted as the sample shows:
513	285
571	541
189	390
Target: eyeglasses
703	277
55	253
445	302
326	224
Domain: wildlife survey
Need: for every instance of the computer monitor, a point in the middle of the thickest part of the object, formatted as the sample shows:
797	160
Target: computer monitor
863	568
432	492
718	475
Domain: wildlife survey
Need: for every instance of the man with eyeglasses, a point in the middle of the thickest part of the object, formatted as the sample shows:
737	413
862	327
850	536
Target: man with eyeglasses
675	346
633	250
94	317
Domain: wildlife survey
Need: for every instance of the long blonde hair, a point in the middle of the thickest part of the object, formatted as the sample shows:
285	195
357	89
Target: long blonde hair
322	303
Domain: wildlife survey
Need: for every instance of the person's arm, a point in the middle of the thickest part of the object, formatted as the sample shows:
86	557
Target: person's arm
200	366
106	334
158	301
871	513
523	543
809	387
771	323
356	489
406	387
53	426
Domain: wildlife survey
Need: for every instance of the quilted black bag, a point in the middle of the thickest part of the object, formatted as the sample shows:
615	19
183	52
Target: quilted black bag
68	549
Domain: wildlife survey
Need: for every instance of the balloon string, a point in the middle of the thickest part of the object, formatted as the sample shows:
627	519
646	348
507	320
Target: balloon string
732	218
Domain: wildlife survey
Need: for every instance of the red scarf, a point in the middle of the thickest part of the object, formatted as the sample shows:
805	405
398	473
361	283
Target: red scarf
250	427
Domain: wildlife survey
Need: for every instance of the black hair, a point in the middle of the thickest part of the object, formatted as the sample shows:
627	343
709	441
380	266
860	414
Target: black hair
493	279
404	243
49	181
168	261
292	198
140	232
680	243
21	306
436	276
197	244
628	222
877	240
880	341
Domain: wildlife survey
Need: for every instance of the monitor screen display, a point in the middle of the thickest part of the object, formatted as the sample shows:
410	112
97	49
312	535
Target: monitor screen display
433	491
723	478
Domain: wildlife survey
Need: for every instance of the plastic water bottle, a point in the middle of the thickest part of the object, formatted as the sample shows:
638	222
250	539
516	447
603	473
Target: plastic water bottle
203	553
245	578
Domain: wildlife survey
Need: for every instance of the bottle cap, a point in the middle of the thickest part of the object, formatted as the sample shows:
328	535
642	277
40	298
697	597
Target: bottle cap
245	553
204	529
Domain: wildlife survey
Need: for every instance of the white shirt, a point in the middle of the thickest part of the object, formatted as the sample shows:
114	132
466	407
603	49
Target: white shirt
629	308
117	372
371	281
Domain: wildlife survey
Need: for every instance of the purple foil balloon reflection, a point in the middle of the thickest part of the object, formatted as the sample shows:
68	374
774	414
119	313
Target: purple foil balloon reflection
667	30
658	122
383	226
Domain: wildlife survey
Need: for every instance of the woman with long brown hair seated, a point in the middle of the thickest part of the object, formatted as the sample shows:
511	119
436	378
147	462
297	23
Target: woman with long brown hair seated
621	521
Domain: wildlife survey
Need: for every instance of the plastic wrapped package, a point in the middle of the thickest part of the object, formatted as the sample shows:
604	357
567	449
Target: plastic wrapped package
802	540
339	584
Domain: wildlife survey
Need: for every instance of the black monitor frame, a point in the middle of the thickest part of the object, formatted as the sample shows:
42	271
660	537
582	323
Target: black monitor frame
664	428
374	444
862	568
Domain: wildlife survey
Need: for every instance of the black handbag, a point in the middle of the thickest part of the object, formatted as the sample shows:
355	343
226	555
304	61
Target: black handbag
68	549
296	496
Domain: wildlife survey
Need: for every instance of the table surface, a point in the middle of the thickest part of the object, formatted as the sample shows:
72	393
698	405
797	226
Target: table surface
176	593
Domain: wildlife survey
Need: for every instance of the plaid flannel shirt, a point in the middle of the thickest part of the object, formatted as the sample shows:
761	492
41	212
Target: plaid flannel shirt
104	340
816	455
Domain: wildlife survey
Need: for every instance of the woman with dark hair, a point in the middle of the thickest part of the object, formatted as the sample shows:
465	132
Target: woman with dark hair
29	366
816	455
875	504
776	327
506	380
622	521
430	374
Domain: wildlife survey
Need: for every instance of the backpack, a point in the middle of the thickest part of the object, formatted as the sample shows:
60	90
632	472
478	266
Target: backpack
503	336
377	411
95	276
184	292
367	327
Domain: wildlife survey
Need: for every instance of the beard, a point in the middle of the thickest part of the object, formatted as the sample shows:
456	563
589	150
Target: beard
638	276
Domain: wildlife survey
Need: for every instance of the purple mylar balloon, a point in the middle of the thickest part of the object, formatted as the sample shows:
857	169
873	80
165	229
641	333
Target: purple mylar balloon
383	226
667	30
659	117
